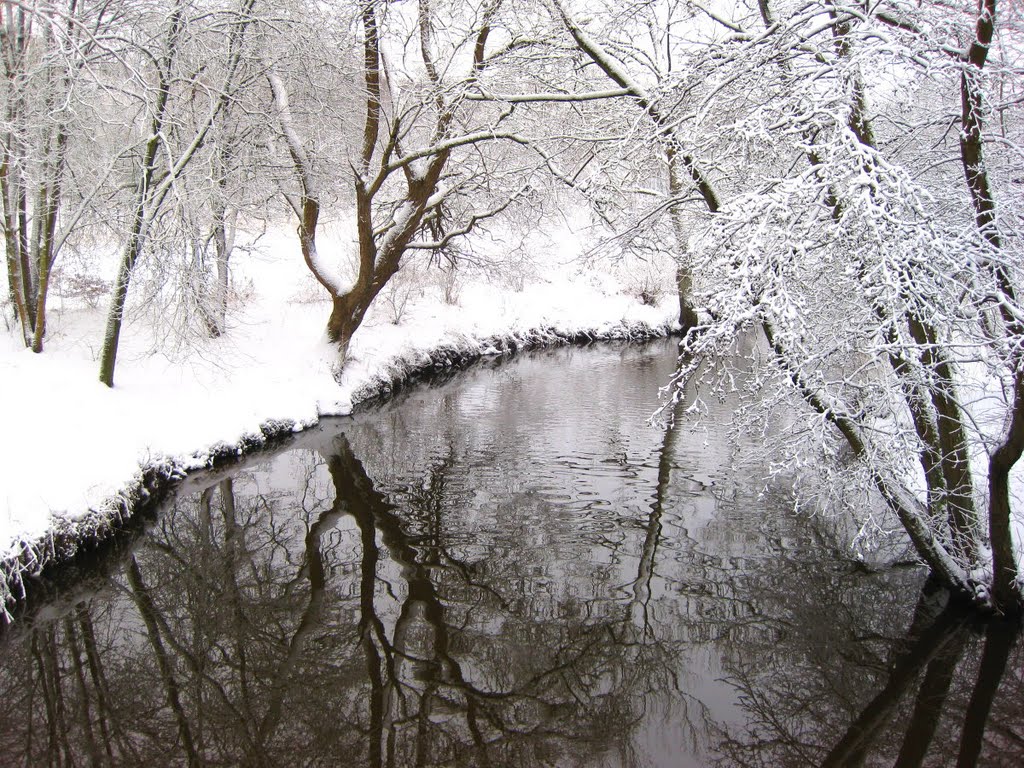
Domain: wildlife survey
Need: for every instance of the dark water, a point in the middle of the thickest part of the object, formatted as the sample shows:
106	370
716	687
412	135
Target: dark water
510	569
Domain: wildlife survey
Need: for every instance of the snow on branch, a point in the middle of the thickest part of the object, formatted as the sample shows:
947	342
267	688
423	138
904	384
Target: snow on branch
525	98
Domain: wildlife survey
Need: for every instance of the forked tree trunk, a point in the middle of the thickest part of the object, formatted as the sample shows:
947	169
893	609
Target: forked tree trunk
381	244
347	313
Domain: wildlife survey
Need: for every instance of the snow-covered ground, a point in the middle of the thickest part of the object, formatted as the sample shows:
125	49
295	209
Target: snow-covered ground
72	446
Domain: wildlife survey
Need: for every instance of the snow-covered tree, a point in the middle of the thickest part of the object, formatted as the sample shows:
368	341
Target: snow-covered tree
885	289
660	167
191	71
105	104
51	173
433	156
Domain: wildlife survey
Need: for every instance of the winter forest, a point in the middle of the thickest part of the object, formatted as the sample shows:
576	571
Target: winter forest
226	219
842	181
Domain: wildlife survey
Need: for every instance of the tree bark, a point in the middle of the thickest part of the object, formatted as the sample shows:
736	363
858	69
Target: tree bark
115	315
1006	590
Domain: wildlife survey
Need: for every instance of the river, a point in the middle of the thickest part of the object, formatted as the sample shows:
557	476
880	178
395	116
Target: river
512	567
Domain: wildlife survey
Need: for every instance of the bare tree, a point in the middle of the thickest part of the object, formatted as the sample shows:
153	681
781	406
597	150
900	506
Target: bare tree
161	164
48	53
420	175
647	50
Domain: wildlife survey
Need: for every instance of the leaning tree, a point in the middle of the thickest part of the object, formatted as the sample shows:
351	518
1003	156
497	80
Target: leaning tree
877	268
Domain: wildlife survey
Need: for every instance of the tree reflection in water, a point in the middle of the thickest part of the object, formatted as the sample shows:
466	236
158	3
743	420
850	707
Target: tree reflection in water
428	587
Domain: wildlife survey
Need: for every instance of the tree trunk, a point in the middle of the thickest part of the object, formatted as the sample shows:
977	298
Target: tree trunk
971	120
10	189
684	268
136	237
28	282
961	514
115	315
50	196
223	242
346	315
15	287
1006	591
349	308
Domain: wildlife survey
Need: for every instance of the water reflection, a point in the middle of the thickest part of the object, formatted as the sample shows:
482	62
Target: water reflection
510	569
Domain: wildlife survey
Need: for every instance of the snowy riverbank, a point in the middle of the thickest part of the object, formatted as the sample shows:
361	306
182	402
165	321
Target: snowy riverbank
76	452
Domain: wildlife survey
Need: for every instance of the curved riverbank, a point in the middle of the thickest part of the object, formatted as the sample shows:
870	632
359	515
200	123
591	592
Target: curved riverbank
71	534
